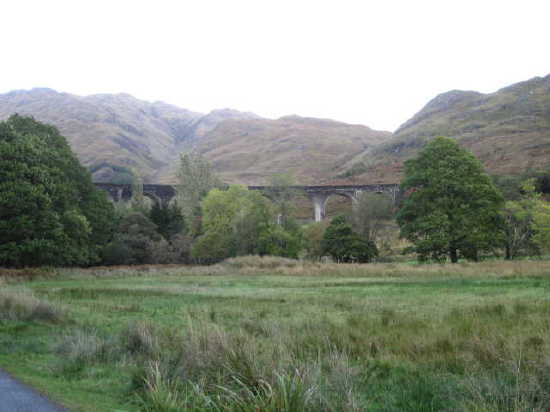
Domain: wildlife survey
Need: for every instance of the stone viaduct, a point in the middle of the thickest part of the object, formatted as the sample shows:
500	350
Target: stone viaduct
318	195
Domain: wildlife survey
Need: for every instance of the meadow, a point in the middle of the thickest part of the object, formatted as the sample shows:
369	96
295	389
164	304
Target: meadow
270	334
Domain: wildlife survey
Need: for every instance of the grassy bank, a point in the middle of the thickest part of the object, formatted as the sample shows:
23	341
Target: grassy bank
272	334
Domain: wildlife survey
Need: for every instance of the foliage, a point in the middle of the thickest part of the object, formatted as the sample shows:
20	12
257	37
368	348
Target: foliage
283	196
313	238
541	225
239	222
121	175
371	214
452	205
277	241
345	246
232	222
138	202
285	335
518	221
133	242
50	212
512	186
195	179
169	220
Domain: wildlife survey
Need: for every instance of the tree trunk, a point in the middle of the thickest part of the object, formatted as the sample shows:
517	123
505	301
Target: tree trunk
508	253
454	255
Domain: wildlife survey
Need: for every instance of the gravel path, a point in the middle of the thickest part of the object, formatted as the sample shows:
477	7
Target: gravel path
17	397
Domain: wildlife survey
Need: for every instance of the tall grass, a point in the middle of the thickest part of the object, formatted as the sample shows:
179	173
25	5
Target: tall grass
265	265
382	337
24	306
386	362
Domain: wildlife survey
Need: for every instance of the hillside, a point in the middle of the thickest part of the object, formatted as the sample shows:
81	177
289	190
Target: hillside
250	151
509	131
113	134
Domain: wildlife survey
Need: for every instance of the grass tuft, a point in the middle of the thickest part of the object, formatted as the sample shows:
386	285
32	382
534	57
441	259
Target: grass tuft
16	305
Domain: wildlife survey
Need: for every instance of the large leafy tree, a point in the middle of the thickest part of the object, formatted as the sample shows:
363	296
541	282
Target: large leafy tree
344	245
452	207
233	220
238	222
50	211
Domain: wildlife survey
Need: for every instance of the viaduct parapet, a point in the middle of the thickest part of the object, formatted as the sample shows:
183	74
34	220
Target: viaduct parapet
318	195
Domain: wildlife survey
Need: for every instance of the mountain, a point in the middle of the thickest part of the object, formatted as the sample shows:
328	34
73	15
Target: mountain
115	134
509	131
249	151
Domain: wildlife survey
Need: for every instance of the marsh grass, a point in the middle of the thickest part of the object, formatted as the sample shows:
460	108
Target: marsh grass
22	305
263	334
266	265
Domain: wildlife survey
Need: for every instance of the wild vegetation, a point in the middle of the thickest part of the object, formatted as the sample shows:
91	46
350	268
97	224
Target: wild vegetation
53	215
283	335
252	331
50	212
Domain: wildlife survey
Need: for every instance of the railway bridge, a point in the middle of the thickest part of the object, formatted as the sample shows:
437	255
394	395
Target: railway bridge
318	195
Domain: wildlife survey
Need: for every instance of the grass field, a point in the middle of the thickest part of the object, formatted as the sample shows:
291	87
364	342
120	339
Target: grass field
269	334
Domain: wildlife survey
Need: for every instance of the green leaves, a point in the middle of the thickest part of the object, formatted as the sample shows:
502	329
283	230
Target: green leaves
240	222
345	246
50	212
451	206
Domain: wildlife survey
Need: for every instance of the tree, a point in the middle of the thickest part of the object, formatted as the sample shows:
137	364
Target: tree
345	246
50	211
138	202
276	241
195	179
134	241
541	225
452	206
232	222
371	214
239	222
169	220
313	238
518	221
283	195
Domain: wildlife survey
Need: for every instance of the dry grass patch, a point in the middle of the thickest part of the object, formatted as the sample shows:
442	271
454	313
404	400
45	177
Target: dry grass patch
24	306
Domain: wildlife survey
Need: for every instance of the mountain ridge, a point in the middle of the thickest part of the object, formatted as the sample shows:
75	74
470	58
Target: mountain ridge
115	135
508	130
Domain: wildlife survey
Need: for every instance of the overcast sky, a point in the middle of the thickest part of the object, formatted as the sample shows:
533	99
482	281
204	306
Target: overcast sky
368	62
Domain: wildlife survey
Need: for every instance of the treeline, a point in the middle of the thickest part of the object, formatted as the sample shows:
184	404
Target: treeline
52	214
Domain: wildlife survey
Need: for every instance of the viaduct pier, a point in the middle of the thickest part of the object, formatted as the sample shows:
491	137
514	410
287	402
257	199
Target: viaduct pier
318	195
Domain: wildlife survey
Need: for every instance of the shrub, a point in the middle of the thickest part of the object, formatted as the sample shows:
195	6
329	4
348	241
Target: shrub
24	306
260	262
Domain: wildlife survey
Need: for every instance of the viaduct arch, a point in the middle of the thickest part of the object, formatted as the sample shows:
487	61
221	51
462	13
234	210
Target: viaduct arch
318	195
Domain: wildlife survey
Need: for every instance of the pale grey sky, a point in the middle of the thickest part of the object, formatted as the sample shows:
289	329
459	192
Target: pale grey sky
369	62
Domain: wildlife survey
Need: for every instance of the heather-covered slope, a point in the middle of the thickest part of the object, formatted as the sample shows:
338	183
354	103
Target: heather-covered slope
113	134
509	131
250	151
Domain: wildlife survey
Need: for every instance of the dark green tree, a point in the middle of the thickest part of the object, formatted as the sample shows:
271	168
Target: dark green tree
133	242
50	211
451	207
344	245
169	220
